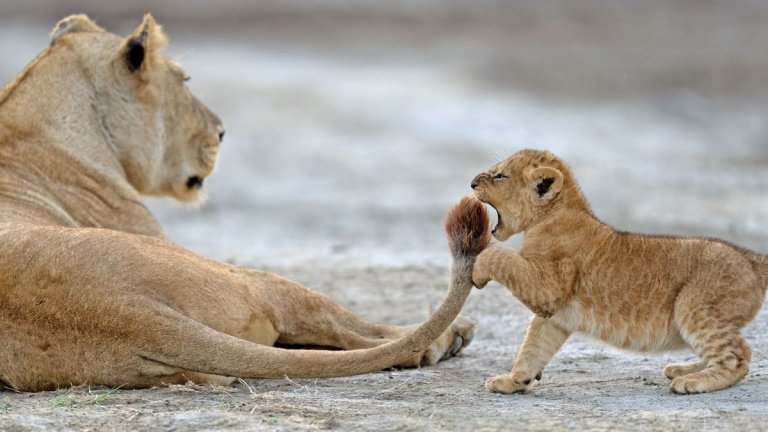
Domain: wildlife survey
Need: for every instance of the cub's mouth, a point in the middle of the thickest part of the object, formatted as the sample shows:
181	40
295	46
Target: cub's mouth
499	230
498	219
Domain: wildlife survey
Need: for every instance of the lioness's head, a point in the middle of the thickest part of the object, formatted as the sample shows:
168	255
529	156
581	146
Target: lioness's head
165	139
525	189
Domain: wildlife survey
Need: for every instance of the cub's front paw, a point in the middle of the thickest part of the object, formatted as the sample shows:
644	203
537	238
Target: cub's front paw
480	276
481	269
480	283
511	383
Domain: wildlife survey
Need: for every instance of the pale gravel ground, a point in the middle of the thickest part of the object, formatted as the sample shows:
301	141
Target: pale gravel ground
353	126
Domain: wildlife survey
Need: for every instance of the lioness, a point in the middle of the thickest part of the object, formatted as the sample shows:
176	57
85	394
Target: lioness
638	292
91	292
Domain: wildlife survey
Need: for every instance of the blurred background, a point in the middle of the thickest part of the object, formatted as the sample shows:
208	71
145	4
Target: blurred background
353	124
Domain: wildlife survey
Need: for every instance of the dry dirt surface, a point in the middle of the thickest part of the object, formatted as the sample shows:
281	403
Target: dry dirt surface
352	125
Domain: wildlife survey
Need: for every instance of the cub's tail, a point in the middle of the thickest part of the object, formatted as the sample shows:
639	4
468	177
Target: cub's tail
760	264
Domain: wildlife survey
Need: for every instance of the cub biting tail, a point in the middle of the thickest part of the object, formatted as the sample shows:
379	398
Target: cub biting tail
637	292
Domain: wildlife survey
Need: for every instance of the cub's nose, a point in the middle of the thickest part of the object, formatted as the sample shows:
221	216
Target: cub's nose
475	181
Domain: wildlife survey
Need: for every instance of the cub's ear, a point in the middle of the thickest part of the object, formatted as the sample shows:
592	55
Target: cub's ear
73	24
142	49
545	183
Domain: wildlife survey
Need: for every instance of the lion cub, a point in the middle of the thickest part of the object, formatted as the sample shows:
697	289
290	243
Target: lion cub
638	292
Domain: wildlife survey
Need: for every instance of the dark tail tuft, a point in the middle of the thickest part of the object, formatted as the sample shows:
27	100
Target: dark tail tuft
468	228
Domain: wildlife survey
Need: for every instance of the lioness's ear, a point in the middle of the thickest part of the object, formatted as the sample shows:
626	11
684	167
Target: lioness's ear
73	24
545	183
142	48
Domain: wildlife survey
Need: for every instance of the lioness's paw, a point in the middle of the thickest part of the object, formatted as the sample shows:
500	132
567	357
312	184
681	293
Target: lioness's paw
464	331
450	343
508	384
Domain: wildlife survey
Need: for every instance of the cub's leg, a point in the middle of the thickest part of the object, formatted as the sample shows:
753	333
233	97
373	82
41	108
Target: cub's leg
542	340
710	320
306	317
726	358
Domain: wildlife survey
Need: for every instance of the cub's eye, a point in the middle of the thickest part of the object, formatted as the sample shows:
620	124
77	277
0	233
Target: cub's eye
186	78
499	176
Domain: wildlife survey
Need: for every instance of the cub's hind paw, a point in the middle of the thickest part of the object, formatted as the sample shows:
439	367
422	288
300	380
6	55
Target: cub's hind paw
685	385
674	370
708	380
508	384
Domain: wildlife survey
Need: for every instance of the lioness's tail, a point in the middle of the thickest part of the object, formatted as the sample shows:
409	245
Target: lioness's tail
467	228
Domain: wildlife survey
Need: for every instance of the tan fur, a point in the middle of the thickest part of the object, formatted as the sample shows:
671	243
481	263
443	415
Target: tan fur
91	292
642	293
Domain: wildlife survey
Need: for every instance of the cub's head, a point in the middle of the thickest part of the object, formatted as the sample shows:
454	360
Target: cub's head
527	188
165	139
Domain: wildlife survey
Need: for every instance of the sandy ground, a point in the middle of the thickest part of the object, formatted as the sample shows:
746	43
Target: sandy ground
352	126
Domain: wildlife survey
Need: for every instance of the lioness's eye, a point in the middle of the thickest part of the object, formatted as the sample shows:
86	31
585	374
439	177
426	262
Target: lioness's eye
499	176
186	78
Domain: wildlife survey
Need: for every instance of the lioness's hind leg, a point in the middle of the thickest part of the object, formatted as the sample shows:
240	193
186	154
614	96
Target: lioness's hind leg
307	317
181	378
204	378
453	340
